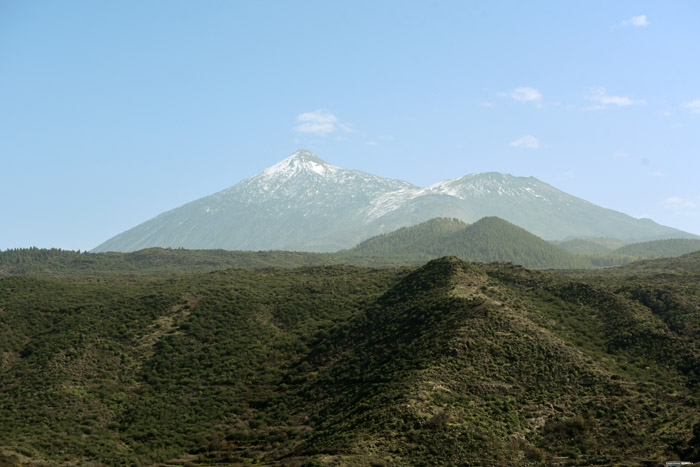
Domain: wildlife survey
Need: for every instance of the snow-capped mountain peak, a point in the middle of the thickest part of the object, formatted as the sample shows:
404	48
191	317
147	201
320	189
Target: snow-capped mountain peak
489	184
301	161
305	203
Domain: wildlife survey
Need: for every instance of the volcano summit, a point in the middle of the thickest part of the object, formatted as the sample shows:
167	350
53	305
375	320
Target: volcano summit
304	203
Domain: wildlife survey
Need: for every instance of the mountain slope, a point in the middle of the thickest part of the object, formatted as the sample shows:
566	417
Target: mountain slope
304	203
544	210
300	203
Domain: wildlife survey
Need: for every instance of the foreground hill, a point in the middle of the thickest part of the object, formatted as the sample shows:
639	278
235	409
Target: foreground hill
304	203
450	363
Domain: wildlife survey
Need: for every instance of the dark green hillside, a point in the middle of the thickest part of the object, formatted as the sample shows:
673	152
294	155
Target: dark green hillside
592	246
420	240
452	363
56	262
141	370
660	248
688	265
461	364
602	253
493	239
489	239
35	261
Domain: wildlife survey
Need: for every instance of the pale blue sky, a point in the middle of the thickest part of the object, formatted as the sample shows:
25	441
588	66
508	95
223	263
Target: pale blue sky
113	112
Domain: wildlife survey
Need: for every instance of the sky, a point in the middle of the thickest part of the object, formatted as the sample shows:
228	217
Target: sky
113	112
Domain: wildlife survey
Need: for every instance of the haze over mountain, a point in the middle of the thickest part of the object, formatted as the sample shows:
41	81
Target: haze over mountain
305	203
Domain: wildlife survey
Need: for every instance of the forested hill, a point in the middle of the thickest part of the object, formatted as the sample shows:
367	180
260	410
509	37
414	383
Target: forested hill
420	239
596	246
36	261
660	248
490	239
487	240
56	262
451	363
665	248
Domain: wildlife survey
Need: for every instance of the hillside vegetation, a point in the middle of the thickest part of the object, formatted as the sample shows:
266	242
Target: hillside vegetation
451	363
593	246
487	240
610	247
660	248
56	262
492	239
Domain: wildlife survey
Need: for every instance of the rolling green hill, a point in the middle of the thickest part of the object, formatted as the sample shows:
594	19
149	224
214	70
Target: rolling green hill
594	246
489	239
451	363
600	247
660	248
421	240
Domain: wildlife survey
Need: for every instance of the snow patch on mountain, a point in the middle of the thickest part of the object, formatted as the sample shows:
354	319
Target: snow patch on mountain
499	185
305	203
299	162
391	201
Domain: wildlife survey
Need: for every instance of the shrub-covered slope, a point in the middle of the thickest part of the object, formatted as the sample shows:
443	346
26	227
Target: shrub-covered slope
140	370
460	364
450	363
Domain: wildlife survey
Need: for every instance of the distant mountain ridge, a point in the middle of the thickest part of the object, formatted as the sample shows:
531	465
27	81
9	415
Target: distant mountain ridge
304	203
